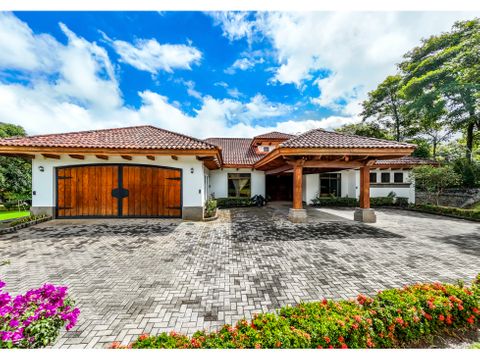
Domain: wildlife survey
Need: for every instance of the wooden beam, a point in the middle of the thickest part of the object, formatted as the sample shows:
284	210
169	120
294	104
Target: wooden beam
279	170
151	157
297	186
205	158
330	164
175	157
103	157
365	187
126	157
51	156
76	156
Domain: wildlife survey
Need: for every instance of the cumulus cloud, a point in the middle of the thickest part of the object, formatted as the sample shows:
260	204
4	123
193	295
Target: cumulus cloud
150	55
235	24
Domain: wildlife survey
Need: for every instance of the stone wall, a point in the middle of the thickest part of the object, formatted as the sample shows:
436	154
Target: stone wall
461	198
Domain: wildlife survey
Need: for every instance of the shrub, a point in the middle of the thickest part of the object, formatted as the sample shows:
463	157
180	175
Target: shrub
435	179
233	202
392	318
351	202
26	219
444	210
16	205
34	320
210	208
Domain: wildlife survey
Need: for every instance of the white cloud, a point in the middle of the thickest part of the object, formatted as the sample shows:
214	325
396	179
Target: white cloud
235	24
357	49
151	56
80	92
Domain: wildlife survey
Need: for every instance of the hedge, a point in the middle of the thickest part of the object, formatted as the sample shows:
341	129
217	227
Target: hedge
352	202
234	202
392	318
452	211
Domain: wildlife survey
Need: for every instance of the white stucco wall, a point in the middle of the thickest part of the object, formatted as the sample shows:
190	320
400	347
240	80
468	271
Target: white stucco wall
219	181
43	183
351	185
311	186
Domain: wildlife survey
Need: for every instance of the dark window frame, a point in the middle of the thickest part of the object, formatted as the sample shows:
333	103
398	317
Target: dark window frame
238	176
395	174
374	176
385	178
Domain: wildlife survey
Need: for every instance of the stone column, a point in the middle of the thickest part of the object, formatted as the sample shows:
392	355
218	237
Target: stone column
364	213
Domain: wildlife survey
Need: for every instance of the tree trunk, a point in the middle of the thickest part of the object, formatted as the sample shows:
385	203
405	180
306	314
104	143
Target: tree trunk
470	128
434	150
396	116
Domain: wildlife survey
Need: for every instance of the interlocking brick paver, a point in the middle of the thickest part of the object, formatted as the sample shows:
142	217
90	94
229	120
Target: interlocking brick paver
132	276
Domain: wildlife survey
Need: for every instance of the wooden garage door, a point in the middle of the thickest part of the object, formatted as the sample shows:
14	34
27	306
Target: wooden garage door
118	191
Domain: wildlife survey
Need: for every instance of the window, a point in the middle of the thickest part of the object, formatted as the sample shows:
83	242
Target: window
373	177
239	185
385	177
330	185
398	177
266	149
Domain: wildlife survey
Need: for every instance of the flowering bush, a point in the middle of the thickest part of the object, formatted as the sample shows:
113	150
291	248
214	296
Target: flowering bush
391	319
34	320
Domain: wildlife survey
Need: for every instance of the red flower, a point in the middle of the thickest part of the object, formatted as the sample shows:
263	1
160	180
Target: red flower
449	320
341	339
428	316
143	337
327	339
344	346
278	344
441	317
471	319
324	301
355	326
399	320
357	318
330	347
319	347
476	311
258	346
416	319
370	343
460	307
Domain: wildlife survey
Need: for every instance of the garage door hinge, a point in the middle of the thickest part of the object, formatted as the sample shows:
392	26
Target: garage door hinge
174	178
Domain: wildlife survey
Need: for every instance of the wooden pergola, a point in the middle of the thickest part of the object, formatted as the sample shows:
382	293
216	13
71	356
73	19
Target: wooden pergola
302	161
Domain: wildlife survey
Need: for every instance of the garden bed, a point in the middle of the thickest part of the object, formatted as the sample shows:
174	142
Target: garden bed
395	318
465	214
23	223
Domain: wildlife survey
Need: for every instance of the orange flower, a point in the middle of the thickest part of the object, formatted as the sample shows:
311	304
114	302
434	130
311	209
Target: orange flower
341	339
327	339
143	337
258	346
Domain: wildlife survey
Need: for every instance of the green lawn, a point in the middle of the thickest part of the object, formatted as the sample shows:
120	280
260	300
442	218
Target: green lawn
6	215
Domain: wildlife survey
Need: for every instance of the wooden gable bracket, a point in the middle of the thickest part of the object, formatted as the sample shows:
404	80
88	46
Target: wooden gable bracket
103	157
175	157
126	157
151	157
371	162
76	156
51	156
205	158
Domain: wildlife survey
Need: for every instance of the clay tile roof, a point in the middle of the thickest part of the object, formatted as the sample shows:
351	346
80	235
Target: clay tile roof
236	151
274	135
318	138
135	137
406	160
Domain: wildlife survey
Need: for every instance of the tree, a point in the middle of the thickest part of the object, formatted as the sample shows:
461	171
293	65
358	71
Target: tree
15	173
435	179
386	106
364	129
444	71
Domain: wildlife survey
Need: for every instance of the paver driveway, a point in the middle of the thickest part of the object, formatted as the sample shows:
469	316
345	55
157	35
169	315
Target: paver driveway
135	276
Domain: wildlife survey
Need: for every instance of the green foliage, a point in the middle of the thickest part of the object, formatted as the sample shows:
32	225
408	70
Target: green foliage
234	202
15	173
393	318
435	179
445	210
320	201
387	107
422	150
364	129
469	172
27	219
210	208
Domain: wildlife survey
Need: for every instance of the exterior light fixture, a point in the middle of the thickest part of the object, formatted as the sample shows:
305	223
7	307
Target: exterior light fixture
191	170
41	168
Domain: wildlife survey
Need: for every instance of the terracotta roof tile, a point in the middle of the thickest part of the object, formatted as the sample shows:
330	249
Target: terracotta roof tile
274	135
236	151
135	137
406	160
318	138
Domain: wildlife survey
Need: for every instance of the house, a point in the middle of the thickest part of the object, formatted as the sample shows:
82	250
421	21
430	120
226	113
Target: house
144	171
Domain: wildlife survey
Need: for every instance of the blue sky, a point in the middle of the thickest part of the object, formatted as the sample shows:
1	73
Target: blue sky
204	74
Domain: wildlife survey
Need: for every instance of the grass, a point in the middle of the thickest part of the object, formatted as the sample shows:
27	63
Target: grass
12	214
475	346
